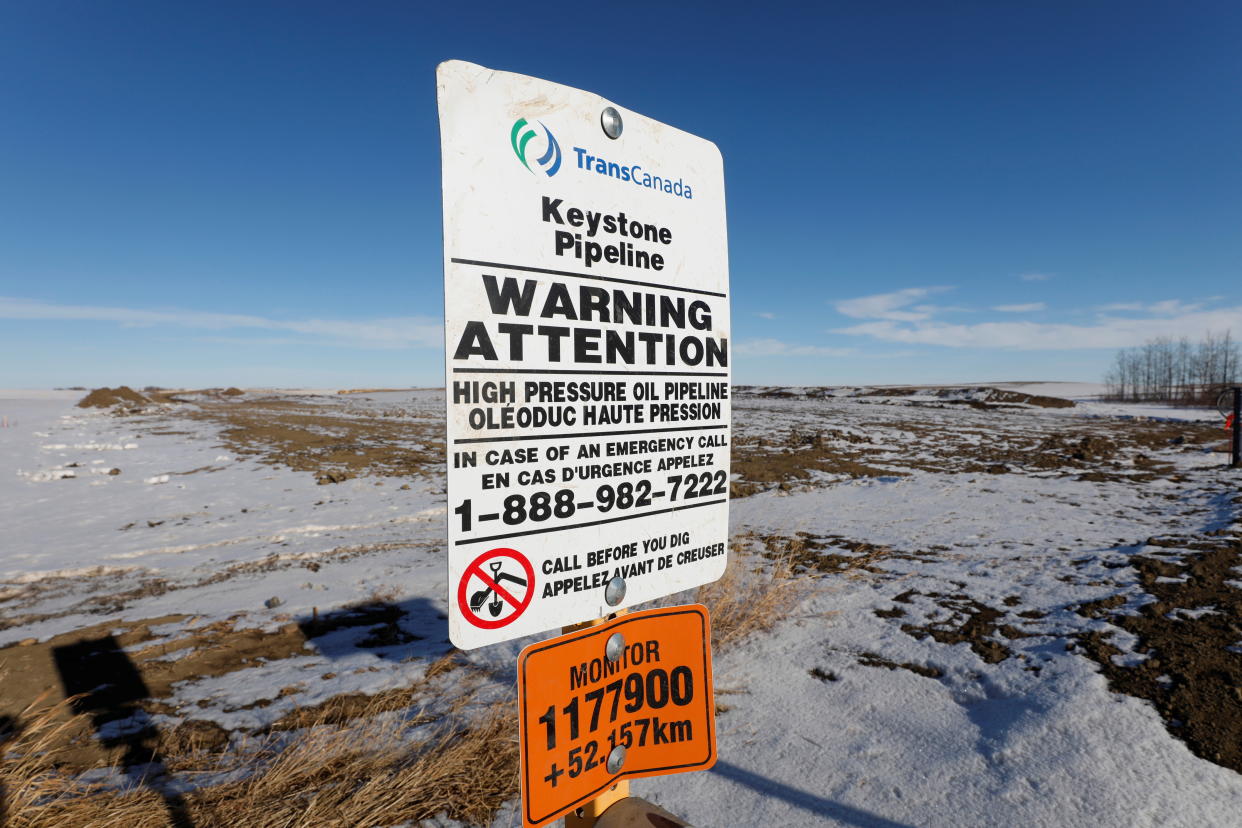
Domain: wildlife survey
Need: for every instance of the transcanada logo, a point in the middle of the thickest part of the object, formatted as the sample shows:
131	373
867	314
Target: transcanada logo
520	137
633	173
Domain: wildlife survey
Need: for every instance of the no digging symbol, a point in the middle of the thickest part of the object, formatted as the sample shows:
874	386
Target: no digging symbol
496	588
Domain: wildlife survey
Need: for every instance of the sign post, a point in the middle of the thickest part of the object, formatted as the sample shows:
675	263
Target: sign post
1236	446
587	355
1229	404
585	816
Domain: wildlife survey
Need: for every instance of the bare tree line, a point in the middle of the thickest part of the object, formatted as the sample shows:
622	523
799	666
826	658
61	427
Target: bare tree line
1174	370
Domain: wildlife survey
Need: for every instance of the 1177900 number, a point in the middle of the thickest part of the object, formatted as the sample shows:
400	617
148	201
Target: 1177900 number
654	690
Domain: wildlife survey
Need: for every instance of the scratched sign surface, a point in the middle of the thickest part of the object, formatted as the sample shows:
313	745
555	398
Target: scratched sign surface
587	355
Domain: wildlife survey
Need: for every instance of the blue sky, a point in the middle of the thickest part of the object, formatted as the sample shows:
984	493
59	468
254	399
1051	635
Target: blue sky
247	193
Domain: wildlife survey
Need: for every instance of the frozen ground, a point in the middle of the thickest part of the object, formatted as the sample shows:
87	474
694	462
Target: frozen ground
946	667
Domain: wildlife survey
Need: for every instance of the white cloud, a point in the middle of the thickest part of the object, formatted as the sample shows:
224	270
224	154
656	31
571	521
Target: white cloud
1035	277
1029	307
1172	307
386	332
1167	307
765	315
889	305
256	341
1106	332
774	347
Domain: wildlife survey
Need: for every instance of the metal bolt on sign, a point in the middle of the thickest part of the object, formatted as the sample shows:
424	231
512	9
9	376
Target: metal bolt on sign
614	593
610	120
616	759
615	647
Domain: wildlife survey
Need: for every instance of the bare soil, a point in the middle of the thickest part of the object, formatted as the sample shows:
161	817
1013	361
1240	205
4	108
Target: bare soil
1191	632
992	398
970	622
898	439
805	553
323	439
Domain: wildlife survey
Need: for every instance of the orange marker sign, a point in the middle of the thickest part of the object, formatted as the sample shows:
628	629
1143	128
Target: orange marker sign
629	698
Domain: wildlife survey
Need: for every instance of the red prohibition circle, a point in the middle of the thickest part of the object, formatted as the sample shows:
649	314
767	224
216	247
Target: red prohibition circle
475	569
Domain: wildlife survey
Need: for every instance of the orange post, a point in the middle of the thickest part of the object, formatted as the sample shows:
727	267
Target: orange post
586	815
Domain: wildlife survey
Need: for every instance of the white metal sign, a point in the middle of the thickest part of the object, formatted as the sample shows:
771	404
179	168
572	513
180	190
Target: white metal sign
586	318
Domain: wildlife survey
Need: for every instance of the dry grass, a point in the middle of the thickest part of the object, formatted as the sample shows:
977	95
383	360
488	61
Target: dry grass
749	599
370	775
374	771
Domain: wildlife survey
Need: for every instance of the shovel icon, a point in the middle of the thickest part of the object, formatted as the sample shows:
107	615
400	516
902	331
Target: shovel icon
495	605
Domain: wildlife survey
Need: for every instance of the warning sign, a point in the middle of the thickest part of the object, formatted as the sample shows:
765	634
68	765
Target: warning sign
496	588
587	350
625	699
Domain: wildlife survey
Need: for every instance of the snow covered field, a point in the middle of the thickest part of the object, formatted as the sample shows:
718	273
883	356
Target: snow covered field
978	568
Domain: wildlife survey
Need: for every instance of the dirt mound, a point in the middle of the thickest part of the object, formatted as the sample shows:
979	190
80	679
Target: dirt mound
233	391
1037	400
999	398
108	397
981	397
